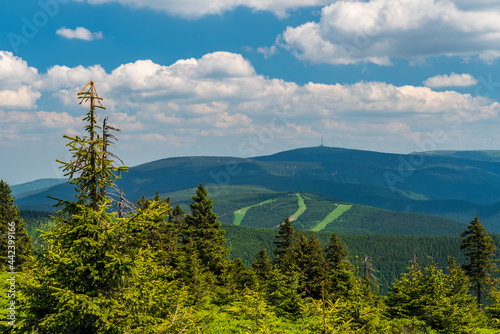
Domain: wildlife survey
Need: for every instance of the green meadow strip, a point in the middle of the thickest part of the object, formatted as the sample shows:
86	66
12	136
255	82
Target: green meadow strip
302	208
339	210
240	214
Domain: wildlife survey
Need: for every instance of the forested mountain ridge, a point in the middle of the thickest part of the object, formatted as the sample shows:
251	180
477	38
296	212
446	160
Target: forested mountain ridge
452	185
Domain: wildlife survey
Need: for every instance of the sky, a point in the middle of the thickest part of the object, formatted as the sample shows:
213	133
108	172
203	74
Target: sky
247	77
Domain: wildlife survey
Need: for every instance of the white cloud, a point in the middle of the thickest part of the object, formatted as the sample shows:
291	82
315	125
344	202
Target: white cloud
197	8
79	33
376	31
14	71
16	79
452	80
219	99
50	120
23	97
268	51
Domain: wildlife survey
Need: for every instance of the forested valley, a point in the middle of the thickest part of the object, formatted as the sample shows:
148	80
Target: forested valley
110	266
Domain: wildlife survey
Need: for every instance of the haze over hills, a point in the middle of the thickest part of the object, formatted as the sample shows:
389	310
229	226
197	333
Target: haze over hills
454	185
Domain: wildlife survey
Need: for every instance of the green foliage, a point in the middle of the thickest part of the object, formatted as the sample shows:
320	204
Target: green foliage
311	265
262	265
36	221
283	295
368	220
439	299
15	242
202	229
340	279
92	168
327	316
480	251
285	251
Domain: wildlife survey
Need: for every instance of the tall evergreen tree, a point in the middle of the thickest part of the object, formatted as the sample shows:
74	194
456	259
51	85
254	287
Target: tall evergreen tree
92	168
12	228
340	277
285	243
203	229
480	252
312	266
262	265
101	273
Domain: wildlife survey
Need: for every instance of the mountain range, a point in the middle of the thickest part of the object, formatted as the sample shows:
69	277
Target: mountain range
455	185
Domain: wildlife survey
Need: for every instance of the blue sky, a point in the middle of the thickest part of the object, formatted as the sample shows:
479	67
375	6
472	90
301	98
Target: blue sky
247	77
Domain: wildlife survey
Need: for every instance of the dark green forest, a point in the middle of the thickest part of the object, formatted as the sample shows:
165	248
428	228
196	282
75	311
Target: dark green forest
107	265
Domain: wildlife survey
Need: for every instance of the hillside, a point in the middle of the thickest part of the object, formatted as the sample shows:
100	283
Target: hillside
453	185
34	187
260	207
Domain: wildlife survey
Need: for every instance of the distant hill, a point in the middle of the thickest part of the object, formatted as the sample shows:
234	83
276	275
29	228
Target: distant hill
34	187
260	207
491	155
454	185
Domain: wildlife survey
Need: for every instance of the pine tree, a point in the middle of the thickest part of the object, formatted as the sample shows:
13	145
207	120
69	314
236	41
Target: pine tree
480	251
203	229
15	243
340	279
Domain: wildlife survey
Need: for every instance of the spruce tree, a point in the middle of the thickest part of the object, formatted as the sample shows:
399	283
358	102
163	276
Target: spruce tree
312	266
101	273
262	265
439	299
340	277
286	241
12	228
203	229
480	252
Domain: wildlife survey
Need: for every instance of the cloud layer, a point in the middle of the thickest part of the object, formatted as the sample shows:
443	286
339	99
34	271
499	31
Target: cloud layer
377	31
220	97
197	8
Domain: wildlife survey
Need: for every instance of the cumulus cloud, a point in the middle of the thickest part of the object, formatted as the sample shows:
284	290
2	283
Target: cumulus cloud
377	31
17	81
197	8
79	33
14	71
24	97
225	85
19	126
452	80
220	95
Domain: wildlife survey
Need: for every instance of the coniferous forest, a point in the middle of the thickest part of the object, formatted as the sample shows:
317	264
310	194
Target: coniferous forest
105	265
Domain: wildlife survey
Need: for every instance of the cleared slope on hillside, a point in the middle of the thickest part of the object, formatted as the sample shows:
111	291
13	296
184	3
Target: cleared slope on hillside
259	207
